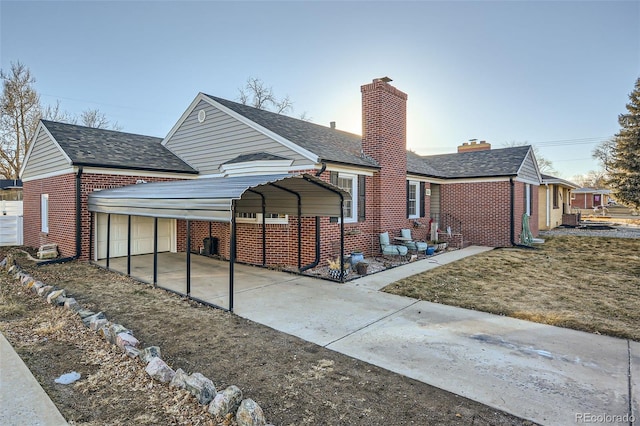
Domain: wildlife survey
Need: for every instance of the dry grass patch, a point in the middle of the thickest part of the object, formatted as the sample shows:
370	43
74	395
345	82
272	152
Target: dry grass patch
585	283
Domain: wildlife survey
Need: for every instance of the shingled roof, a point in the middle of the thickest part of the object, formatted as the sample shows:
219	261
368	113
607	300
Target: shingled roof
494	162
87	146
328	144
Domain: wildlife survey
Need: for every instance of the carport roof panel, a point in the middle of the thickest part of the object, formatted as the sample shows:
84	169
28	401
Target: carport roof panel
211	198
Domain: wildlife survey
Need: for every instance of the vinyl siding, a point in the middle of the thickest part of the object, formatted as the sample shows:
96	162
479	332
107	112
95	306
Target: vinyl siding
45	157
220	138
528	169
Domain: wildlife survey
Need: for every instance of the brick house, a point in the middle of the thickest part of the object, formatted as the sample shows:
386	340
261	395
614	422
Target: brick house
589	198
475	196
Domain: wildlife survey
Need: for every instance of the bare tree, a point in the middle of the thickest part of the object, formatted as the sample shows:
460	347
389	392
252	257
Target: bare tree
258	95
544	164
19	116
604	153
593	179
95	118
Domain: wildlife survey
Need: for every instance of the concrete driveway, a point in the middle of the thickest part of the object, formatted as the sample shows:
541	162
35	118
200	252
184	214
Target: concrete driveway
546	374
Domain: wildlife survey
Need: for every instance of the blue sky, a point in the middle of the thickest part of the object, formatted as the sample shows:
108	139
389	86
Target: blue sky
554	74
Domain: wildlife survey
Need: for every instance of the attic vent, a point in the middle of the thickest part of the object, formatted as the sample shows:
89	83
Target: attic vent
202	115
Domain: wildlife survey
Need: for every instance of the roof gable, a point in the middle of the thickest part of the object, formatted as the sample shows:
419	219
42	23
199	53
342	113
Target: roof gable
327	144
87	146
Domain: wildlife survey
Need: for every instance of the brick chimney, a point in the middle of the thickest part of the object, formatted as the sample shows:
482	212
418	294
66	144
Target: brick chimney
473	145
384	138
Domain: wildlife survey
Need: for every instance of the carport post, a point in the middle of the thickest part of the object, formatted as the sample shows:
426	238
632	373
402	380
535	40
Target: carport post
155	251
108	237
232	253
91	215
129	245
188	258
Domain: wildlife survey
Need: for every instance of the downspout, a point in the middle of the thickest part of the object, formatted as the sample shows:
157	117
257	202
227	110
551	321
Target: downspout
78	225
548	209
322	169
512	218
316	261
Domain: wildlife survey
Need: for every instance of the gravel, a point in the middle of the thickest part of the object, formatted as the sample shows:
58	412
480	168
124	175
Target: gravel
618	231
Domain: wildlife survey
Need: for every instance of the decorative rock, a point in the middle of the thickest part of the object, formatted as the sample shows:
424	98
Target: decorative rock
98	323
200	387
45	290
125	339
3	263
131	351
87	320
116	329
159	370
84	313
57	297
71	304
105	333
250	414
179	380
37	285
26	278
149	353
226	402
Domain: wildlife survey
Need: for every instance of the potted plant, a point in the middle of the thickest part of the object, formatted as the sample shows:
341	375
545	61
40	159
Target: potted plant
361	268
441	245
356	256
334	269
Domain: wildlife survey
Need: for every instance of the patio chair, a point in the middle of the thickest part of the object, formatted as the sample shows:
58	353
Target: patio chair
420	246
389	249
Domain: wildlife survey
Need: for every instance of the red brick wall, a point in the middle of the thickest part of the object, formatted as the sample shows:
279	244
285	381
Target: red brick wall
484	210
62	208
384	130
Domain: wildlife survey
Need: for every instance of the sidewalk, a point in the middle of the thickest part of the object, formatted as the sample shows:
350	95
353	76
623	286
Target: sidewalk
549	375
22	399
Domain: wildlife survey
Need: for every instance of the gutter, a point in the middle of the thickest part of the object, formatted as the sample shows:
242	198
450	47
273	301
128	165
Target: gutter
78	225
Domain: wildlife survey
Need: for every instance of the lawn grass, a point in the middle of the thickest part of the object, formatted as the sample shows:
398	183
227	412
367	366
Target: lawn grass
585	283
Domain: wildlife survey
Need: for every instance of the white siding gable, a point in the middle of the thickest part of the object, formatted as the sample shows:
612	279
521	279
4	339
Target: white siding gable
205	145
528	171
45	157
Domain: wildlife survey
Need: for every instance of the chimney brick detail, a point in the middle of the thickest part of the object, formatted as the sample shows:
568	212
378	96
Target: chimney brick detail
384	136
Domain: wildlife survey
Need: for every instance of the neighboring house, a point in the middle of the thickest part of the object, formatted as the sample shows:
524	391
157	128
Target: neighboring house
11	189
555	201
588	198
475	196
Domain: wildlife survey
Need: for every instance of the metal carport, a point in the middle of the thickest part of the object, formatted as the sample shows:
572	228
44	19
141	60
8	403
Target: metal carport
218	200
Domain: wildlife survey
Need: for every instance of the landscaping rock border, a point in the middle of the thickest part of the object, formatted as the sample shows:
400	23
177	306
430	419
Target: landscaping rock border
219	404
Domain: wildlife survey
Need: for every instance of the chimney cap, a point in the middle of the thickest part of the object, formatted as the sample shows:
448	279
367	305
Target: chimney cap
332	124
383	79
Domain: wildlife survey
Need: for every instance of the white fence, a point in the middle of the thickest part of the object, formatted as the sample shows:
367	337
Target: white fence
11	231
11	223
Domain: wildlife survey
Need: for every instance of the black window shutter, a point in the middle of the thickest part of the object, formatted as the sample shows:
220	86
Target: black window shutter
362	198
422	195
407	198
333	179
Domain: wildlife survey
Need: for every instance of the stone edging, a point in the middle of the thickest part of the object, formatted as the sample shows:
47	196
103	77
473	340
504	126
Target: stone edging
220	404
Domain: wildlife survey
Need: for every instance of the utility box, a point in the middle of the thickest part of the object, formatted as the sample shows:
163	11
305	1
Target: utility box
210	246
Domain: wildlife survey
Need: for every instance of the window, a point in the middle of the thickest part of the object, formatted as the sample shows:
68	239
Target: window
413	205
355	185
555	197
271	218
348	183
44	212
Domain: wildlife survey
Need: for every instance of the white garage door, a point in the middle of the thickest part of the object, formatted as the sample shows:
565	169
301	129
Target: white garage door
141	235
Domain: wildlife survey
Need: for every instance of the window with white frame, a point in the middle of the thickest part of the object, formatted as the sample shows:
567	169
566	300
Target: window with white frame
44	212
271	218
413	204
349	183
